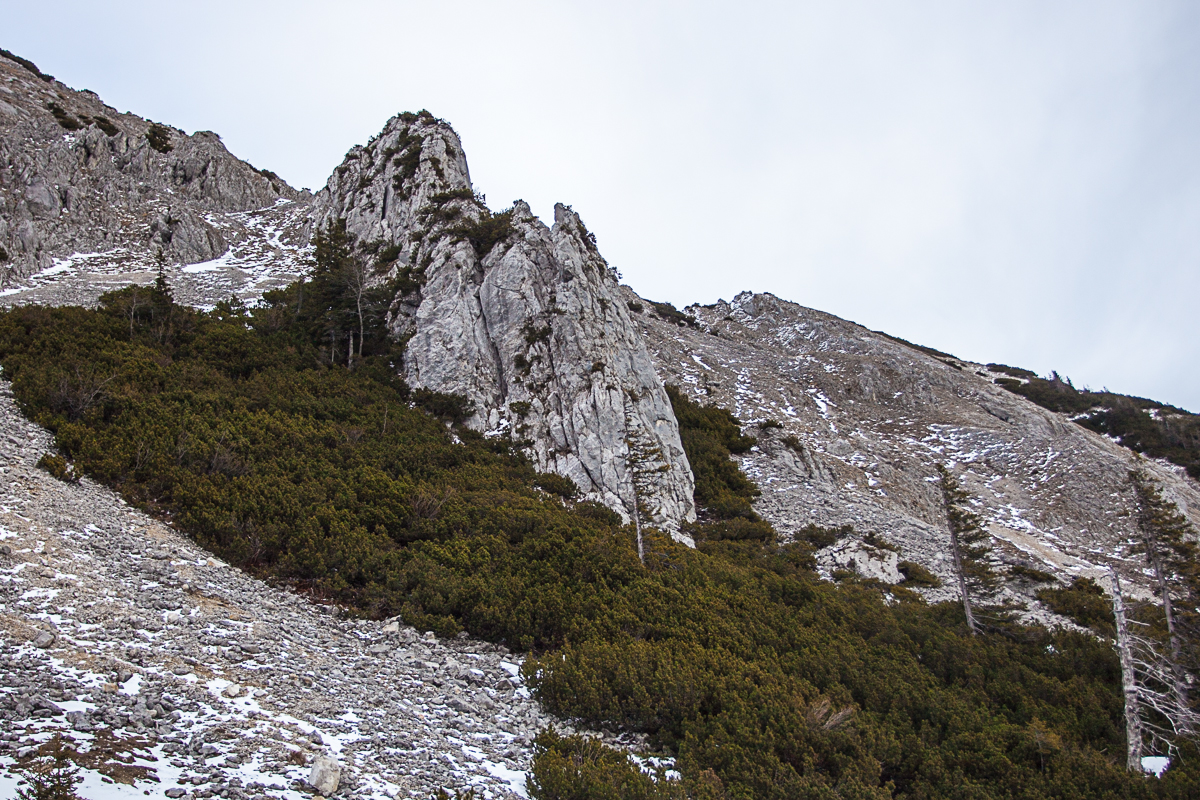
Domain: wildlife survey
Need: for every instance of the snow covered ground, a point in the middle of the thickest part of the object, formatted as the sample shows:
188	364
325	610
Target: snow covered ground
268	249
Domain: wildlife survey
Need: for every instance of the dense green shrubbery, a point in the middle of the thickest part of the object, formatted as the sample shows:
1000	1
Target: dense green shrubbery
63	118
672	314
243	428
710	436
1084	602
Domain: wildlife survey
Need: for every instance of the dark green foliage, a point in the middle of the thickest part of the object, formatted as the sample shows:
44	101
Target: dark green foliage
3	255
635	307
821	537
1030	574
534	333
1015	372
710	435
671	314
769	424
27	64
557	484
63	118
57	466
577	768
929	351
764	681
409	147
442	198
107	126
159	138
1154	429
339	309
452	408
389	255
520	407
973	541
1084	603
487	232
917	575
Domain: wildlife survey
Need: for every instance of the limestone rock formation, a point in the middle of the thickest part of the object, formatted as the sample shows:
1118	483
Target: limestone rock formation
526	321
80	179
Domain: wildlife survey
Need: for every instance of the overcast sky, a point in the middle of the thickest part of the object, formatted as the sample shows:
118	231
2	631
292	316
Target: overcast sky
1006	181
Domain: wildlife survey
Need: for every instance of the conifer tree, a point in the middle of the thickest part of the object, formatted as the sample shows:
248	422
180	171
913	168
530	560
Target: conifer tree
968	543
644	461
1166	540
340	301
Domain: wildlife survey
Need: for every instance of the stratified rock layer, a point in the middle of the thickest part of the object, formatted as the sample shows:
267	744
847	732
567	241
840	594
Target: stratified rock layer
526	321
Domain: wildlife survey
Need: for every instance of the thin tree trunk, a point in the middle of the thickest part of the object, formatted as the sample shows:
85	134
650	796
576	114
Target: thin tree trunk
360	322
632	461
962	581
1179	677
1133	718
637	524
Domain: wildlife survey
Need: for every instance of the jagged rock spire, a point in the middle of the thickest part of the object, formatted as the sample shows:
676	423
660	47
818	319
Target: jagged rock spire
526	321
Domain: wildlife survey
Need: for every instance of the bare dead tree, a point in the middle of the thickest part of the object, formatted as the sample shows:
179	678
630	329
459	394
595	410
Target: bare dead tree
1165	540
1129	686
1154	710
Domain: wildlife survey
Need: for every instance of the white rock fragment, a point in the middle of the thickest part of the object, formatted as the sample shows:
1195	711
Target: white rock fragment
325	775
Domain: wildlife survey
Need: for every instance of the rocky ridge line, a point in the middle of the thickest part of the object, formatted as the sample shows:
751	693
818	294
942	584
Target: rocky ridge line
851	425
80	179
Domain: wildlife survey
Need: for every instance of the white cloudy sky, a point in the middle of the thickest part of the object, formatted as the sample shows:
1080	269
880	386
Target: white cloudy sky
1007	181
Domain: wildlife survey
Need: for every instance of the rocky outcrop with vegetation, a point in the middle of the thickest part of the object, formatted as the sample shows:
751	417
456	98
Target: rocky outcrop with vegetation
84	184
524	321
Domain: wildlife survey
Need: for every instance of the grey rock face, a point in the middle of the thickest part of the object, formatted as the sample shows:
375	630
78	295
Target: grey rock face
864	421
529	323
79	177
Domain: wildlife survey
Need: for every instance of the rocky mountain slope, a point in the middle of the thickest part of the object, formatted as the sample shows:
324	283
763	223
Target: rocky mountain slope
852	425
189	679
524	320
92	196
527	321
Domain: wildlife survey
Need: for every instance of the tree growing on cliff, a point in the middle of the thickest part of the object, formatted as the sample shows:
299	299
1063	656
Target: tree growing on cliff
1166	540
968	543
644	461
